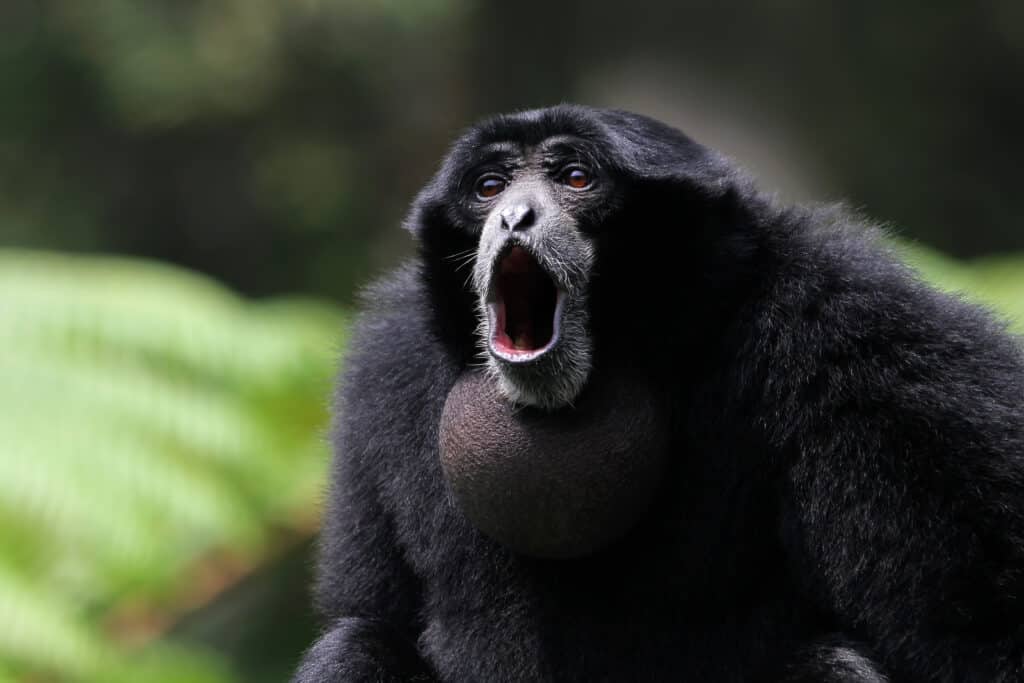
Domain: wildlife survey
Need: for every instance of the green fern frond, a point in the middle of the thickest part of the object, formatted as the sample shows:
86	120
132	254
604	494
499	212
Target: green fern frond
149	418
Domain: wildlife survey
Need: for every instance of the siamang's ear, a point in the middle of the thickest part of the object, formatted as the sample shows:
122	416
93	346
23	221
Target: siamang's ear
426	208
437	204
651	153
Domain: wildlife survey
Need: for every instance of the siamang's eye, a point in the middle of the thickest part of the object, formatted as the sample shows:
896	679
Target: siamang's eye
490	186
577	178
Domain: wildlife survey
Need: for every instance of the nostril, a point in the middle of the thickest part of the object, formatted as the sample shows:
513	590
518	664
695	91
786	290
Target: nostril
517	217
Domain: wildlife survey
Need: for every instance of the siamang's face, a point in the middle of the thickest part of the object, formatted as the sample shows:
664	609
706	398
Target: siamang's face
563	214
535	209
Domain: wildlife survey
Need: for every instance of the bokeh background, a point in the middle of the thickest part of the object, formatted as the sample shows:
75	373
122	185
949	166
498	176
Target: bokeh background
191	192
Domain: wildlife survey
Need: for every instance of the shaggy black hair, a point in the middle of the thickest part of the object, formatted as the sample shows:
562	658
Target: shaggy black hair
846	493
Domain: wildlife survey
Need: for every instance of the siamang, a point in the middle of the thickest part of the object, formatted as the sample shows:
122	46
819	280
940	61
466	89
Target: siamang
628	418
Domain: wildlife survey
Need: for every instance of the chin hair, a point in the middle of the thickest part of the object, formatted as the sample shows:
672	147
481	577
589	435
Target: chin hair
555	379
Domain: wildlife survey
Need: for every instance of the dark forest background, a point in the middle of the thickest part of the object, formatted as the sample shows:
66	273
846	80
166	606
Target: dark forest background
276	145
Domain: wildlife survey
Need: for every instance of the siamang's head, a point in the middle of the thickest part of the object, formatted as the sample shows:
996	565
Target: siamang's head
542	231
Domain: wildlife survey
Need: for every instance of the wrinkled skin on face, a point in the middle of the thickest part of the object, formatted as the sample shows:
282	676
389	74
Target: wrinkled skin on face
532	265
532	274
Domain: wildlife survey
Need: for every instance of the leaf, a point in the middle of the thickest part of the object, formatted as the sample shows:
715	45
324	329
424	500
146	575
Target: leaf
152	420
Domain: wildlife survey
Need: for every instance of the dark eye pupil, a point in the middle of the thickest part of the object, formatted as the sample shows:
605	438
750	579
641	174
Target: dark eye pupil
488	187
578	178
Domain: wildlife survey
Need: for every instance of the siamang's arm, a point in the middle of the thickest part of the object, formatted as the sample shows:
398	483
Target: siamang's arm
832	659
358	649
906	516
366	593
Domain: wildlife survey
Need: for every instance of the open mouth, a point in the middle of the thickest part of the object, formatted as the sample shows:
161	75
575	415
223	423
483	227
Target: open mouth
525	308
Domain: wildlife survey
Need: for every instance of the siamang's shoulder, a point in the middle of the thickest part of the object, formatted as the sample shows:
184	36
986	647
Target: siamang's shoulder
838	277
841	318
397	298
395	367
393	337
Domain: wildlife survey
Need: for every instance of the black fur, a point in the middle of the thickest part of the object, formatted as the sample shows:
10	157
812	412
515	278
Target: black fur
846	499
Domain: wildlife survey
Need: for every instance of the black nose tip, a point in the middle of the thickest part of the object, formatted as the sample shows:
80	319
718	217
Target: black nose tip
517	217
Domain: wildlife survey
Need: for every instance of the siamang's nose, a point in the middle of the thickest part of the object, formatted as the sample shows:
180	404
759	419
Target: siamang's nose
517	217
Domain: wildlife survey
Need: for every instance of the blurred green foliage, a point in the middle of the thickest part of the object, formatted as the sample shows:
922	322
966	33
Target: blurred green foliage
162	438
996	281
242	138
